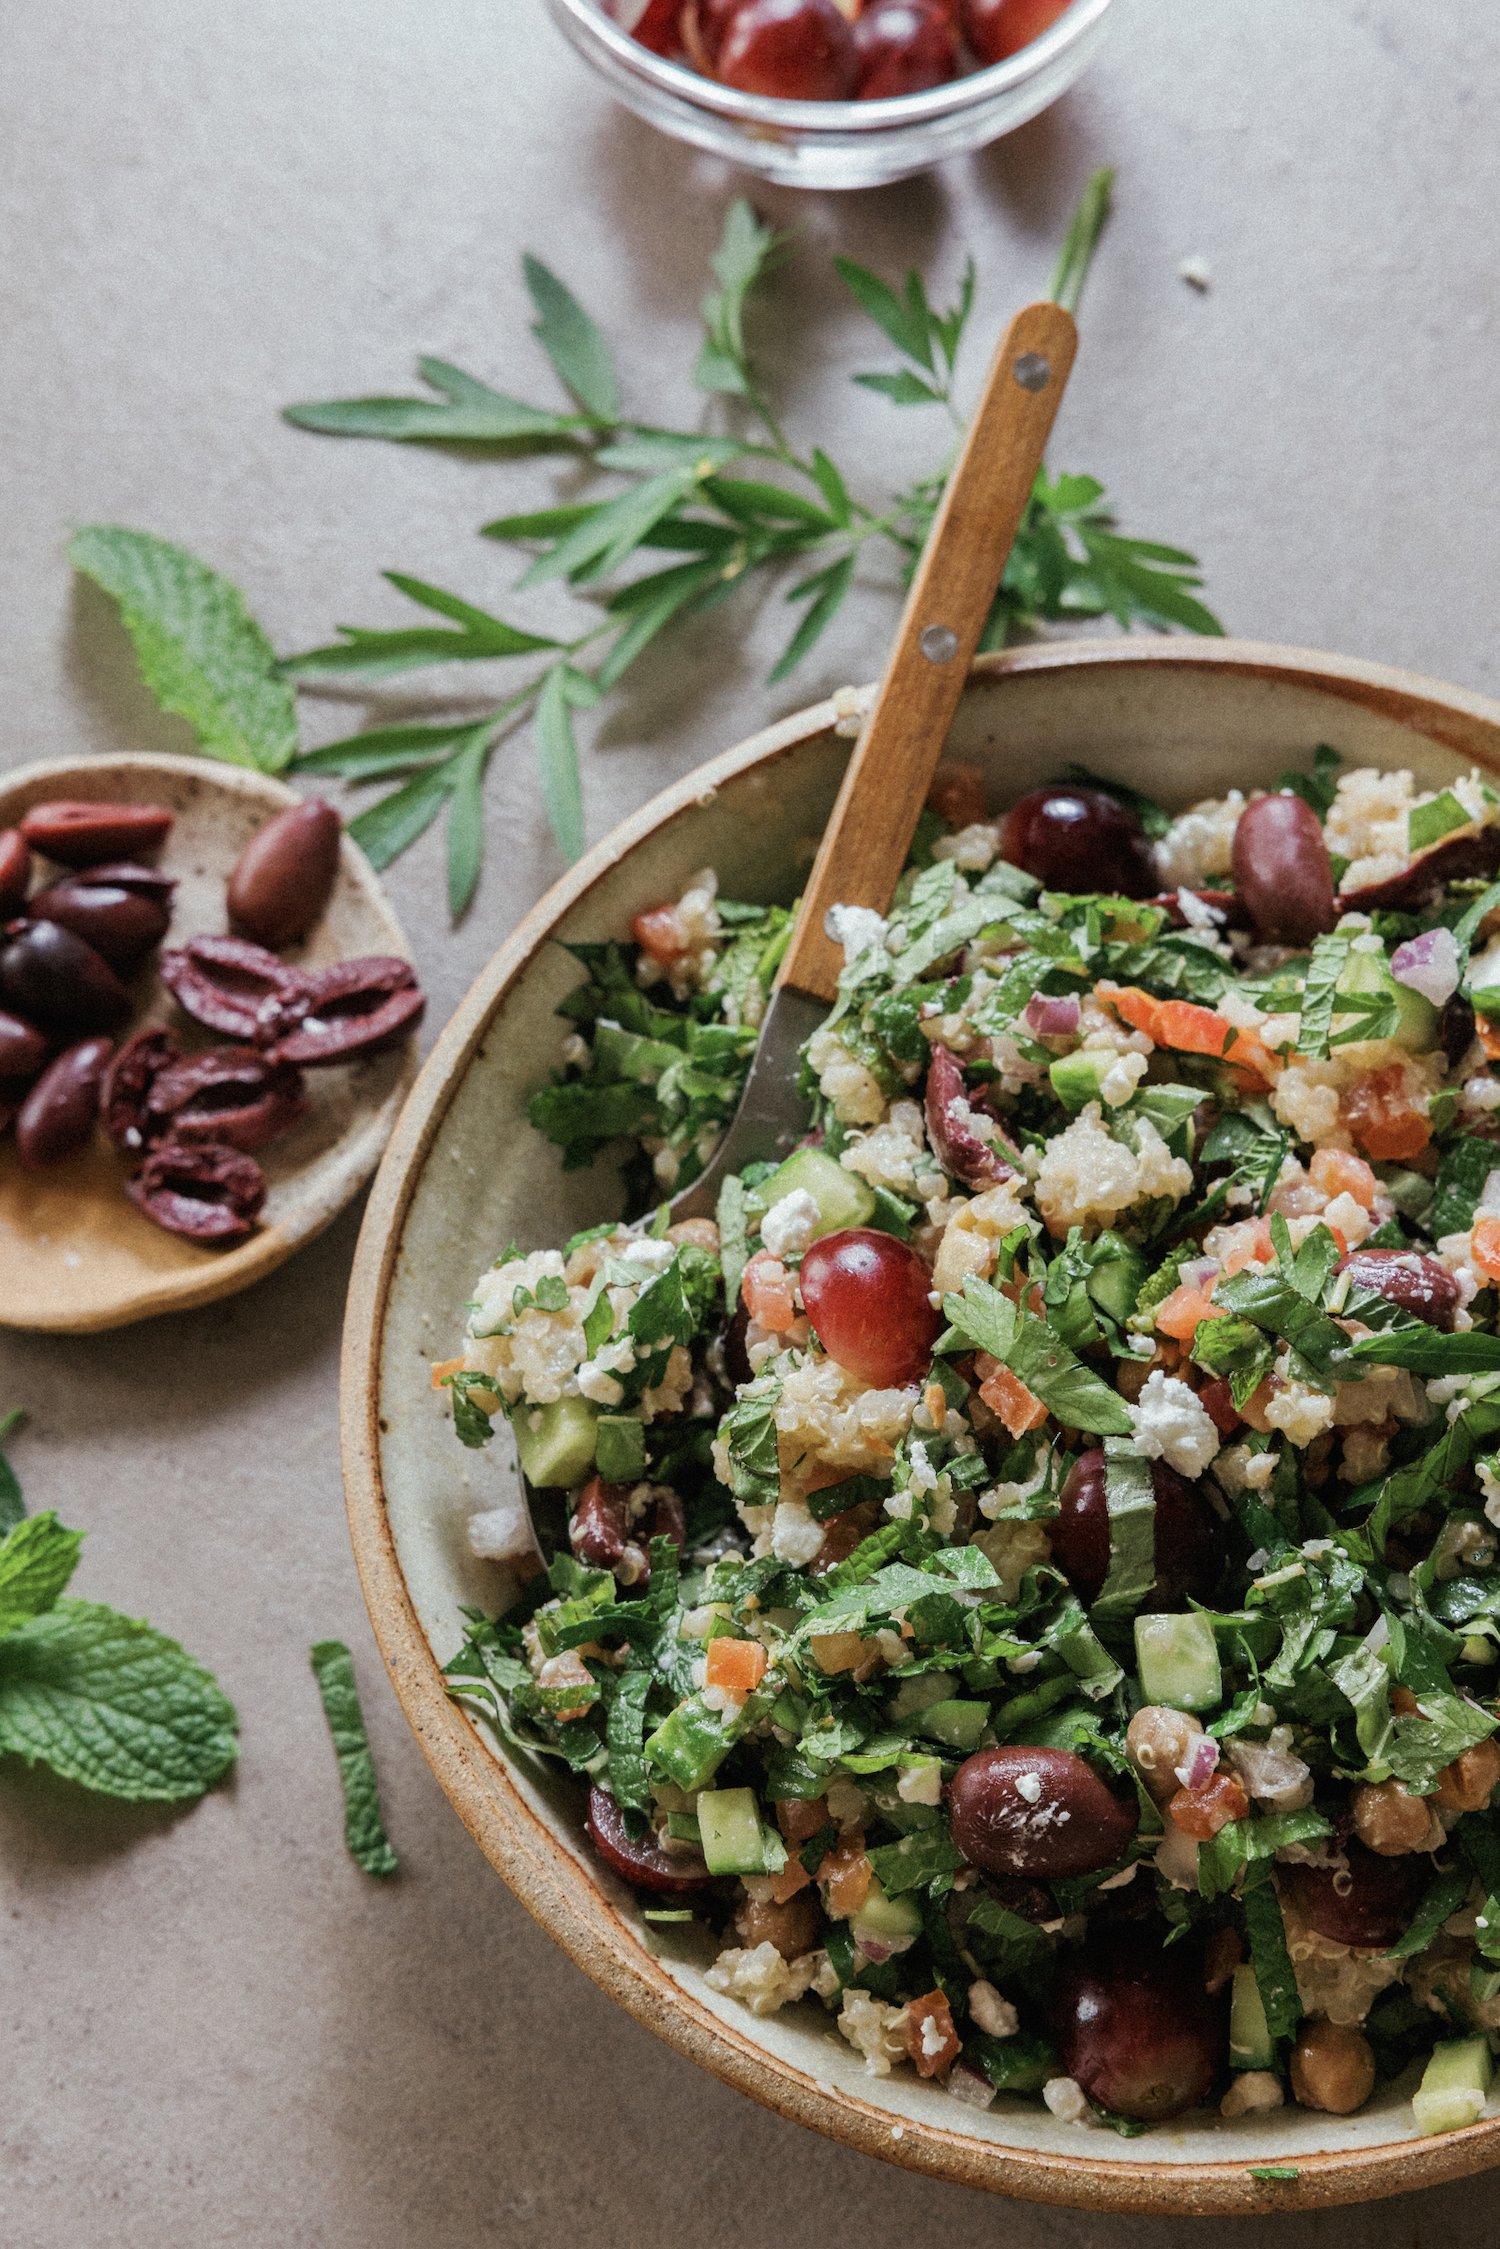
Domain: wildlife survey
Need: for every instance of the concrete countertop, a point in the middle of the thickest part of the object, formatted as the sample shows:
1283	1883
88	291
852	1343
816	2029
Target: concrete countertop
216	2030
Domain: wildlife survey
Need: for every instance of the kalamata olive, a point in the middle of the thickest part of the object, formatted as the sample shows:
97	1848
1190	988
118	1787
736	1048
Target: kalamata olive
57	1116
1419	1284
236	988
15	869
1079	839
284	877
1456	1028
81	834
127	1082
599	1530
996	29
58	980
233	1094
1189	1536
1036	1812
903	47
1474	856
121	922
1138	2031
1282	870
868	1297
210	1194
644	1864
354	1008
23	1050
793	50
954	1126
1368	1904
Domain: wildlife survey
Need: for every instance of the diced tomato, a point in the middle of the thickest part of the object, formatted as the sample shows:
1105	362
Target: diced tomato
1181	1314
1247	1243
1485	1248
1489	1038
931	2040
1007	1395
1384	1119
957	794
792	1878
738	1666
1336	1173
1200	1812
768	1293
658	931
845	1876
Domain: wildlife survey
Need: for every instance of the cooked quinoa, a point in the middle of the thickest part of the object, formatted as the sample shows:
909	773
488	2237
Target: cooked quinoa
1033	1556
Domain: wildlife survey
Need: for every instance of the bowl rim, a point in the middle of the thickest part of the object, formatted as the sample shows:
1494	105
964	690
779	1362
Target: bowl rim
586	23
556	1888
351	1159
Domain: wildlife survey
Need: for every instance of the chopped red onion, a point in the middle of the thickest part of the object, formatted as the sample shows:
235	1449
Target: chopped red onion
1199	1271
1052	1018
1428	964
1200	1764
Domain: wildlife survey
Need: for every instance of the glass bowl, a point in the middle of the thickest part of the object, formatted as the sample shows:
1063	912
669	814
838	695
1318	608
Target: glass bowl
835	144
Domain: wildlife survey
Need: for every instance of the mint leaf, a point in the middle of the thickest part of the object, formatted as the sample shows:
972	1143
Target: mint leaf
364	1832
1066	1387
37	1559
113	1704
572	342
12	1505
201	653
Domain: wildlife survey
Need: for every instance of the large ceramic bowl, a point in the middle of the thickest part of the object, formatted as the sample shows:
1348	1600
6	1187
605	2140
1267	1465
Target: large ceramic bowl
464	1172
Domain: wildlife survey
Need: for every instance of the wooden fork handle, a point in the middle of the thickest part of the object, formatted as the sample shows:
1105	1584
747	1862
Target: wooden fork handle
867	839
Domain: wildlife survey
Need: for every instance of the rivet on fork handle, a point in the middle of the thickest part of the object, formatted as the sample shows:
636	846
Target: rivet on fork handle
1032	371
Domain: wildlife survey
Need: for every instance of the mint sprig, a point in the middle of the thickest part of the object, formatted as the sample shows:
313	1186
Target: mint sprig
103	1699
684	519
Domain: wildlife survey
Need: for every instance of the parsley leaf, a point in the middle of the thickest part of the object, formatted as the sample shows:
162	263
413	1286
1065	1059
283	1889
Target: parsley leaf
364	1831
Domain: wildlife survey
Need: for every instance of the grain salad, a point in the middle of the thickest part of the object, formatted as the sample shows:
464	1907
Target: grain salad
1032	1586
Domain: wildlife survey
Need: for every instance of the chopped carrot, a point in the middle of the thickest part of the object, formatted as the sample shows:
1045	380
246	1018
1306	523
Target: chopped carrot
1191	1029
845	1875
1384	1119
1181	1314
1335	1172
932	2043
792	1878
1486	1247
1007	1395
738	1666
442	1368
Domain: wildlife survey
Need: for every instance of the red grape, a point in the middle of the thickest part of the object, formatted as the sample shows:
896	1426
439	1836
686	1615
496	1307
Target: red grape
997	28
904	46
1079	839
1139	2032
868	1296
792	50
644	1864
1189	1540
656	26
1037	1812
1282	871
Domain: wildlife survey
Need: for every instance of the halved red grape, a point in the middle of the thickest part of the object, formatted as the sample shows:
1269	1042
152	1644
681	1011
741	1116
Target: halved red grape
1189	1537
792	50
1283	872
1079	839
644	1864
1036	1812
904	46
1139	2032
868	1296
998	28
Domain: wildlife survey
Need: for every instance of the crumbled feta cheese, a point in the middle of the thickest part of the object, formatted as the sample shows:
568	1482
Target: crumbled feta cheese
1029	1785
501	1534
855	928
1199	843
995	2016
795	1537
1067	2101
1171	1425
790	1224
1300	1413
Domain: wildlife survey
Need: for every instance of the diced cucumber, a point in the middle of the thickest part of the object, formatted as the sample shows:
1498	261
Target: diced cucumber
888	1920
920	1693
690	1744
1484	1980
958	1724
1416	1017
1251	2045
1076	1078
556	1442
620	1448
842	1197
1178	1662
735	1838
1455	2085
683	1828
1117	1278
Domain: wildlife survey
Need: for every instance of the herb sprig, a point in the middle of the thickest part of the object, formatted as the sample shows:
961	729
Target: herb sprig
704	510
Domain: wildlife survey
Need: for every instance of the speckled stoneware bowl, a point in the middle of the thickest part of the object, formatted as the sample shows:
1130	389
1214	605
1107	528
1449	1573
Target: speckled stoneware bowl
75	1254
1182	719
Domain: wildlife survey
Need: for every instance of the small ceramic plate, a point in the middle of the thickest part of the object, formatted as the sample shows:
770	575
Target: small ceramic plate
75	1254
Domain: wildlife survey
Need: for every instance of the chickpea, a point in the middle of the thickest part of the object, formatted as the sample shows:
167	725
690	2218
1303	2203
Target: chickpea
1468	1783
1390	1820
1333	2068
793	1927
1157	1741
699	1233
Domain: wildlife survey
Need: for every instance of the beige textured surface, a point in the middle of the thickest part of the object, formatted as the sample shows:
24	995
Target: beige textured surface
215	2031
